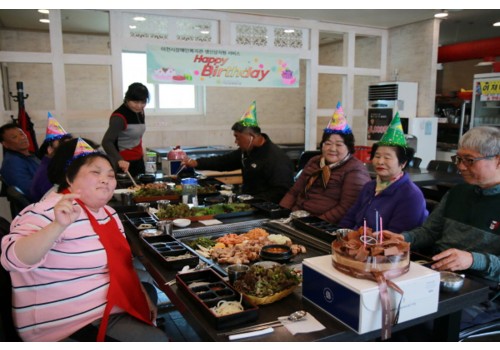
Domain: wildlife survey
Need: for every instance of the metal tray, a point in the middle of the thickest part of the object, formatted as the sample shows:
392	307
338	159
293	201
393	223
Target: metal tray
213	291
313	247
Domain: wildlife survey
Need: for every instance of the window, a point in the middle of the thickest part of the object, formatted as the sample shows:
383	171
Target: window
164	98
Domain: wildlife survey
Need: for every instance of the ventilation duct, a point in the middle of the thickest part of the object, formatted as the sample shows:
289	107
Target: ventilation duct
469	50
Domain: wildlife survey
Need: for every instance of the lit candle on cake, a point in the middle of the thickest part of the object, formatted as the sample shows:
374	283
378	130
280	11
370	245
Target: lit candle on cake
381	231
364	233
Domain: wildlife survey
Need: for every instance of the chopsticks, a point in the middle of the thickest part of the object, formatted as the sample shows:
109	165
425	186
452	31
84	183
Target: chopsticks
256	327
180	169
131	178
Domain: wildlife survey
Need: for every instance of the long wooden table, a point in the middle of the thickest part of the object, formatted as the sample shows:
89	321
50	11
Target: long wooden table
446	319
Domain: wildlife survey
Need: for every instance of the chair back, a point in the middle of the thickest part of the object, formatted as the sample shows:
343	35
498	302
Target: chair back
18	201
415	163
7	330
305	157
442	165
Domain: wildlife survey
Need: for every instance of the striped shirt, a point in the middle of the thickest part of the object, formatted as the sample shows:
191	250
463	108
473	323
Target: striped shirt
67	289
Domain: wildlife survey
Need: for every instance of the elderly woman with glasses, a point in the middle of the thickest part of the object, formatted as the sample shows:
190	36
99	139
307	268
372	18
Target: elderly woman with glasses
463	232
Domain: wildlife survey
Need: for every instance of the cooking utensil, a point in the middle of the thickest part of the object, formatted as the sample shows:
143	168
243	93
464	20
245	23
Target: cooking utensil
131	178
180	169
294	317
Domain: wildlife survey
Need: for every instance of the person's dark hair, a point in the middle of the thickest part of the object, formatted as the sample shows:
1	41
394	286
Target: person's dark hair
348	140
42	151
404	154
75	165
238	127
137	92
59	162
6	127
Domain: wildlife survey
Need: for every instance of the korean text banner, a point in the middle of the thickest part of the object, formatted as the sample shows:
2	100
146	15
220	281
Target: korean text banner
219	67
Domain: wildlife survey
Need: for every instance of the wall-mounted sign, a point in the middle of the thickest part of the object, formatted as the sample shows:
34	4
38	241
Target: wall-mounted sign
490	90
219	67
378	122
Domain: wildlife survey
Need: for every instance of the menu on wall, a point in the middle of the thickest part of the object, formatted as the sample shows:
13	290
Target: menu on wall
378	122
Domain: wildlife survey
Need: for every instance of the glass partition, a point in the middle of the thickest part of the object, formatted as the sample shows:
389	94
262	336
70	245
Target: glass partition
88	87
331	49
85	32
367	51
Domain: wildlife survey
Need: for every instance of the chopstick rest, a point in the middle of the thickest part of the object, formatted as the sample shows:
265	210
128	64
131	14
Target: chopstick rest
251	334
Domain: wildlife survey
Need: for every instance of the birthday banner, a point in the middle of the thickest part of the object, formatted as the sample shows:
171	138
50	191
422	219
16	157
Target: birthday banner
219	67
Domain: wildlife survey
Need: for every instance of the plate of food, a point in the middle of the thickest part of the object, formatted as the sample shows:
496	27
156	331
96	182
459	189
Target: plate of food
266	285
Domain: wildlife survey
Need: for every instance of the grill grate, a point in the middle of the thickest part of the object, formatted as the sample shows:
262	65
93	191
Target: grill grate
200	231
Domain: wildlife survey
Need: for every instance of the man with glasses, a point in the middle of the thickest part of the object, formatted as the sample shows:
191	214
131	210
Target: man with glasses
463	232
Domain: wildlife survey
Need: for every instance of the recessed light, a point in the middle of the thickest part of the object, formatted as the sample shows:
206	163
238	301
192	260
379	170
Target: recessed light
288	31
496	24
44	11
139	19
132	26
204	31
44	20
442	14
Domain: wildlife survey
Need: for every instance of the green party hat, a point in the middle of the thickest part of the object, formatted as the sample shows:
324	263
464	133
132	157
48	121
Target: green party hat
394	136
249	118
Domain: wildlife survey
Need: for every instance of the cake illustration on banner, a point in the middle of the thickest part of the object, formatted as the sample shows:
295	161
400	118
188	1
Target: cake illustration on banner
167	74
287	77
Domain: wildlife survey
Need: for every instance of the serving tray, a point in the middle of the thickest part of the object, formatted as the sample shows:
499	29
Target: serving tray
272	210
169	249
317	227
206	289
137	219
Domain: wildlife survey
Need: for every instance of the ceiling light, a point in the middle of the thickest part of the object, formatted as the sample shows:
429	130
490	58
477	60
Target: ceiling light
44	11
44	20
289	31
132	26
139	19
441	14
204	31
496	24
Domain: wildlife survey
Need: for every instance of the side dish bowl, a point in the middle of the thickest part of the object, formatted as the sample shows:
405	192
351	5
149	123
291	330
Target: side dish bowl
276	252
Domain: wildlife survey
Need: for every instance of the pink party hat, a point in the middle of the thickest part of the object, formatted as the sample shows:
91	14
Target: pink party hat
82	149
54	130
338	123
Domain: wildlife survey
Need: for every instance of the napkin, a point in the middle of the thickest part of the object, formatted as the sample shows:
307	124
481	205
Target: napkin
307	325
251	334
210	222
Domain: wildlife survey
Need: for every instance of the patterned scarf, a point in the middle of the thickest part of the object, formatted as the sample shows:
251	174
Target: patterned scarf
382	185
325	170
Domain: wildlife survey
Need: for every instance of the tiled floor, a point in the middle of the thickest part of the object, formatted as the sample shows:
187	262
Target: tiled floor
173	323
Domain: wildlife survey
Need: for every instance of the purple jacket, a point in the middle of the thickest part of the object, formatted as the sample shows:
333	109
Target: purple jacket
401	206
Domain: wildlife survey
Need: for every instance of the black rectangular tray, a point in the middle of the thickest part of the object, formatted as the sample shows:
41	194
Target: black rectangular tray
168	248
236	214
138	218
317	227
272	210
206	296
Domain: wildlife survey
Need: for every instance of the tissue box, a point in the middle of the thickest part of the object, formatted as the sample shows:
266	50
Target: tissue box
356	302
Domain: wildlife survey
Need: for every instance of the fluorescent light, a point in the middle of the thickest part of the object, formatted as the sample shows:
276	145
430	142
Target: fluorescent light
288	31
139	19
204	31
496	24
484	63
442	14
44	11
44	20
132	26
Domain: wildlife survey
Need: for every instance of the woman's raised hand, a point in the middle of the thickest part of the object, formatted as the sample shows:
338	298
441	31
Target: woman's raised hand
65	212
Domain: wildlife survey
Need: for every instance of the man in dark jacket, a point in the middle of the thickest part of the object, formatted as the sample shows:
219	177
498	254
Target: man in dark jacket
267	170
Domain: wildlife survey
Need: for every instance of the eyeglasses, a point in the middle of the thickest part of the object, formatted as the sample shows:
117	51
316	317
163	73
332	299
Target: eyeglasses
468	162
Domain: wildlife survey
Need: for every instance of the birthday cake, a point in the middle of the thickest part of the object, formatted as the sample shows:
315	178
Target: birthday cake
360	255
287	77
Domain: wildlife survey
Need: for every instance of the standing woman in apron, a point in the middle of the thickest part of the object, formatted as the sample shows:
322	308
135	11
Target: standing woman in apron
123	139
